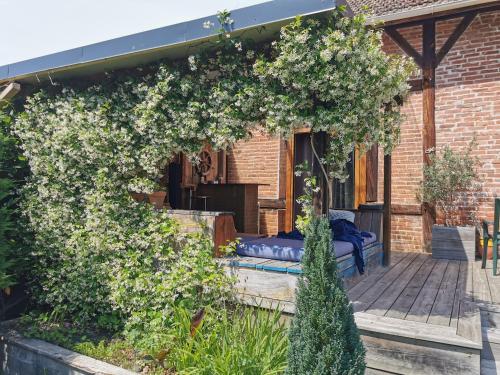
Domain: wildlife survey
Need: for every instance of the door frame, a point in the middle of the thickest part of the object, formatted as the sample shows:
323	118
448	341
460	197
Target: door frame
359	178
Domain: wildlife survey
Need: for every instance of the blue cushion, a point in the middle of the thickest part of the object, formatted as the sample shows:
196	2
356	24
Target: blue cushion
288	250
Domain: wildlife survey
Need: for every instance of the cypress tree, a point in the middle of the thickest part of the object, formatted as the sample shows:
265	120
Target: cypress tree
323	336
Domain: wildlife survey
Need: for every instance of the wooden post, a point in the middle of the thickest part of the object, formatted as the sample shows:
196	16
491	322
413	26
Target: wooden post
387	209
429	120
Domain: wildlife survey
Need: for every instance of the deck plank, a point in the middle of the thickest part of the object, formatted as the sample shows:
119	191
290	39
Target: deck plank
382	304
460	291
248	262
376	289
277	265
422	306
481	290
494	284
405	301
443	305
357	290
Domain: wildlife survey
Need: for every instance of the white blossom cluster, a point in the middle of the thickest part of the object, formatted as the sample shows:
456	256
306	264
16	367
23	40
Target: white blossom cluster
88	148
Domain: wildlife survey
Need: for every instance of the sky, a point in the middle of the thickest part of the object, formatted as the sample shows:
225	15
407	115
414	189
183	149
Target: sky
33	28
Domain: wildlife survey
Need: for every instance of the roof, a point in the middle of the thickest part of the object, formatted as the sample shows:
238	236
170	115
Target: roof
170	41
401	10
259	22
385	7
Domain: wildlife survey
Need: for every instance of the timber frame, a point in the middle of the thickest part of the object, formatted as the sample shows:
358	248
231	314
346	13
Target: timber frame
428	61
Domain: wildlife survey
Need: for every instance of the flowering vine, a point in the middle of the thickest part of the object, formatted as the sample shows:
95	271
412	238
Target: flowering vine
99	252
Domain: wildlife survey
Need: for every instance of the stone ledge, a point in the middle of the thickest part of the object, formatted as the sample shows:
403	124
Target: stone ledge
20	355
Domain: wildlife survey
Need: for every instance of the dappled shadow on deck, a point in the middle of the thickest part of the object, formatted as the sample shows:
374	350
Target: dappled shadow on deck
418	288
445	299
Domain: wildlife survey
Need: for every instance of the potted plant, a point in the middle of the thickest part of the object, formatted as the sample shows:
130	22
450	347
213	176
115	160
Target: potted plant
157	198
450	185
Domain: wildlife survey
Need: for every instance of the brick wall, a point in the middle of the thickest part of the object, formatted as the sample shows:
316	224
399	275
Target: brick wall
261	160
467	105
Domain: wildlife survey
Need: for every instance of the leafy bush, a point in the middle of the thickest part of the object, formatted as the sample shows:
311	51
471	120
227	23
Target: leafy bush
13	244
323	337
6	226
98	252
223	341
449	182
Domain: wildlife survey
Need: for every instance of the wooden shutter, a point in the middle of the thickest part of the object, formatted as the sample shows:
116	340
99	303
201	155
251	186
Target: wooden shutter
372	174
187	172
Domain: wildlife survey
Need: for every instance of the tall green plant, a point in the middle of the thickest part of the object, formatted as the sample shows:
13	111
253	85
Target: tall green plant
6	227
450	181
323	337
12	242
246	341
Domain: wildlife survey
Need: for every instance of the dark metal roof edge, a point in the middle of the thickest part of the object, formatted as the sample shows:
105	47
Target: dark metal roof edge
173	35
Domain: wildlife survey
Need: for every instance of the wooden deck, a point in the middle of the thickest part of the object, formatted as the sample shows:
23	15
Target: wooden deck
418	316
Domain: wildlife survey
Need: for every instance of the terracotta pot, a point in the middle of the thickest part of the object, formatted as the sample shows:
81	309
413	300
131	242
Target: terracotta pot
138	197
157	198
490	249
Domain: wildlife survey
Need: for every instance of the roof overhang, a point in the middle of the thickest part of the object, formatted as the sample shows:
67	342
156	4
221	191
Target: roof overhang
433	10
259	22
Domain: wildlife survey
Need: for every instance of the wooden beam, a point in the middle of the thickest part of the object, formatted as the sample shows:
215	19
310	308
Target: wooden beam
429	118
404	44
455	35
415	85
10	91
387	209
274	204
406	209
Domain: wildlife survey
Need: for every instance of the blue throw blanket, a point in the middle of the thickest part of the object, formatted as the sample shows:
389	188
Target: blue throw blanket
293	235
342	230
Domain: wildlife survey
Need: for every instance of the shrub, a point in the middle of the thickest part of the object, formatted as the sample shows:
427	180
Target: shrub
323	337
449	182
6	226
13	247
98	252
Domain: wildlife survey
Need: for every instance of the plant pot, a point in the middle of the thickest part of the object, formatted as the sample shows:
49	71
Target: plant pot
490	249
455	243
138	197
157	199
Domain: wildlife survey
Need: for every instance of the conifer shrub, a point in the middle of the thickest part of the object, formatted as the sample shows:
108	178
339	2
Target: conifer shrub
323	336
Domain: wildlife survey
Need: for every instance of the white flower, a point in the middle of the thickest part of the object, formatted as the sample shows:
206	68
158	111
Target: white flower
192	63
208	24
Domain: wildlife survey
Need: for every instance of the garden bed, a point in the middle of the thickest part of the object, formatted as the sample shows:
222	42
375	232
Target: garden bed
213	341
21	355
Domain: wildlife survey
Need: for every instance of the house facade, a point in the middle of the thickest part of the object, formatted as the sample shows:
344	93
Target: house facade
454	99
466	107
